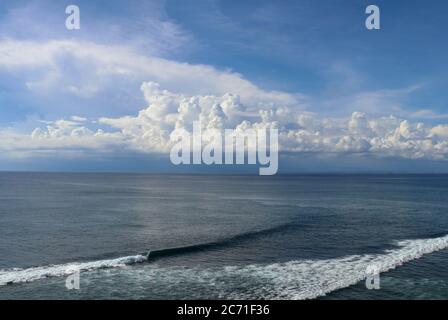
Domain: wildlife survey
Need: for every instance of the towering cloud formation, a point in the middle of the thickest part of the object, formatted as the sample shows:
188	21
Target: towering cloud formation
151	129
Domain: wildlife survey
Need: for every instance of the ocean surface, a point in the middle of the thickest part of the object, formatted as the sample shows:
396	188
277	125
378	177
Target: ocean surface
145	236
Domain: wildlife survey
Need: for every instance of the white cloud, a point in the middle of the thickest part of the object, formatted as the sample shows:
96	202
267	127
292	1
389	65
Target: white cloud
440	131
86	68
150	130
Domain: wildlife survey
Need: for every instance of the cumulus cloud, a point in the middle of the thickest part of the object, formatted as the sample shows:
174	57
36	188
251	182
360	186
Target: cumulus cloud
61	137
150	131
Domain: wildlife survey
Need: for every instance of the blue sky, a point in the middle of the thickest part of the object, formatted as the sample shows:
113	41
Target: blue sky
311	58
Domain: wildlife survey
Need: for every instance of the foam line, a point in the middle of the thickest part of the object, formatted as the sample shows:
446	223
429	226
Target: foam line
297	279
17	275
308	279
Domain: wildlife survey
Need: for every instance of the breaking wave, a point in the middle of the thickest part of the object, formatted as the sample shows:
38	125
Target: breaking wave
308	279
223	243
297	279
18	275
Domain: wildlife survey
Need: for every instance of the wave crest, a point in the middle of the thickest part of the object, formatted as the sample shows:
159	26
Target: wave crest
18	275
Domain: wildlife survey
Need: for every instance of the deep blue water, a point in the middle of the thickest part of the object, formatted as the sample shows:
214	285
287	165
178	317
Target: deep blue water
221	236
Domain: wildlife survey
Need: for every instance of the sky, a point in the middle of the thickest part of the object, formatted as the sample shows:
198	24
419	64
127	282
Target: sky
108	97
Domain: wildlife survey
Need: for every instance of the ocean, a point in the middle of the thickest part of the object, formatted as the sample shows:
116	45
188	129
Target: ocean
149	236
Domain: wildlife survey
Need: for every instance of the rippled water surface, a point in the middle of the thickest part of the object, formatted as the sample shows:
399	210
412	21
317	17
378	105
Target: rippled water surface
214	236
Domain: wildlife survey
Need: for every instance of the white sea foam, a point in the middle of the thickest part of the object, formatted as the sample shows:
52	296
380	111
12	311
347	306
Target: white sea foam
298	279
307	279
17	275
